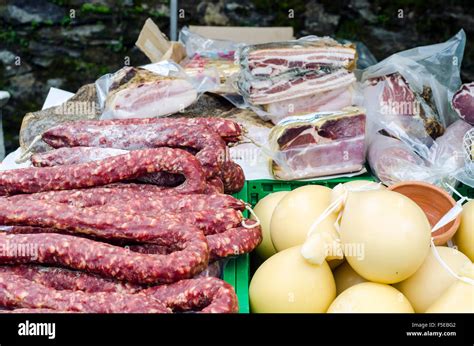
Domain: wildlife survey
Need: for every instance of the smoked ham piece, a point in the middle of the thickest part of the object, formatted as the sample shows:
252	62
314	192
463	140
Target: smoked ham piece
317	145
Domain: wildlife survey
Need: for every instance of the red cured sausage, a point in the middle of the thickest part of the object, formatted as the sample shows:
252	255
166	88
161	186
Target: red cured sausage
110	170
233	177
114	221
18	292
211	148
34	311
78	155
229	130
233	242
73	156
207	295
136	198
215	185
190	257
65	279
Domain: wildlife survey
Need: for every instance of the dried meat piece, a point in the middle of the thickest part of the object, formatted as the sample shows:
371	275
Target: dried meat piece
114	169
463	102
19	292
318	145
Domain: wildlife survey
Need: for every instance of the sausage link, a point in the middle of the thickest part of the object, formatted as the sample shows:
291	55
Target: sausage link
65	279
233	177
18	292
229	130
78	155
108	260
211	148
34	311
136	198
233	242
207	295
110	170
215	185
114	221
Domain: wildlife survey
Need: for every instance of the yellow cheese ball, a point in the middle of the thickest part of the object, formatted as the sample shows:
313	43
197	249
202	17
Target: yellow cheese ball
385	235
341	189
431	279
287	283
458	298
346	277
464	237
370	297
296	212
264	210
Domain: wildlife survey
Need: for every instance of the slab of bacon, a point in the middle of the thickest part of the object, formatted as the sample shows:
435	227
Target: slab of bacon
289	86
140	93
321	53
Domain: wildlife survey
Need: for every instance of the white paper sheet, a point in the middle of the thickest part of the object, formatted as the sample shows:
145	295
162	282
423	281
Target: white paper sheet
54	98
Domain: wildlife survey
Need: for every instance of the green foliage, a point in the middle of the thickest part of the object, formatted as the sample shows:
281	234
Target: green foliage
280	10
10	36
65	21
117	47
350	30
95	8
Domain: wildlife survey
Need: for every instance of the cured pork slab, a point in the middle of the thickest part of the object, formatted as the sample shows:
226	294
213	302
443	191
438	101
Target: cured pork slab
398	105
289	87
318	145
463	102
140	93
272	59
327	101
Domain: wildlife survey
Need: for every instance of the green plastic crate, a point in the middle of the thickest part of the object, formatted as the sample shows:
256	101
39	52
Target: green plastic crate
466	190
236	270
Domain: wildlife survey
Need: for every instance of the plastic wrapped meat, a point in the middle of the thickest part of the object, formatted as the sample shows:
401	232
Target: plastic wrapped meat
394	161
402	110
321	102
463	102
311	146
290	86
140	93
308	53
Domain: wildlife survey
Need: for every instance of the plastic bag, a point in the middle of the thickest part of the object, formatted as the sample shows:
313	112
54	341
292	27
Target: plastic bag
409	93
149	91
407	96
304	76
394	161
321	144
204	53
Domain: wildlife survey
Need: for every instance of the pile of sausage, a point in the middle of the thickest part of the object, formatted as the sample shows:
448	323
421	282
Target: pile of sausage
83	232
205	138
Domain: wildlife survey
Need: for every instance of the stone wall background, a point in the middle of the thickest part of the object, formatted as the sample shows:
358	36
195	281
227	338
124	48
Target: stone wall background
58	51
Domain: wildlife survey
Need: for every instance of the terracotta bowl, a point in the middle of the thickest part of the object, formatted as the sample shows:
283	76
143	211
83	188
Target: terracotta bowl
435	202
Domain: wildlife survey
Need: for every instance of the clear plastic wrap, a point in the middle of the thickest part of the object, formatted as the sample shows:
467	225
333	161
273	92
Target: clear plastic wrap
298	77
204	54
394	161
407	97
322	144
409	93
149	91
